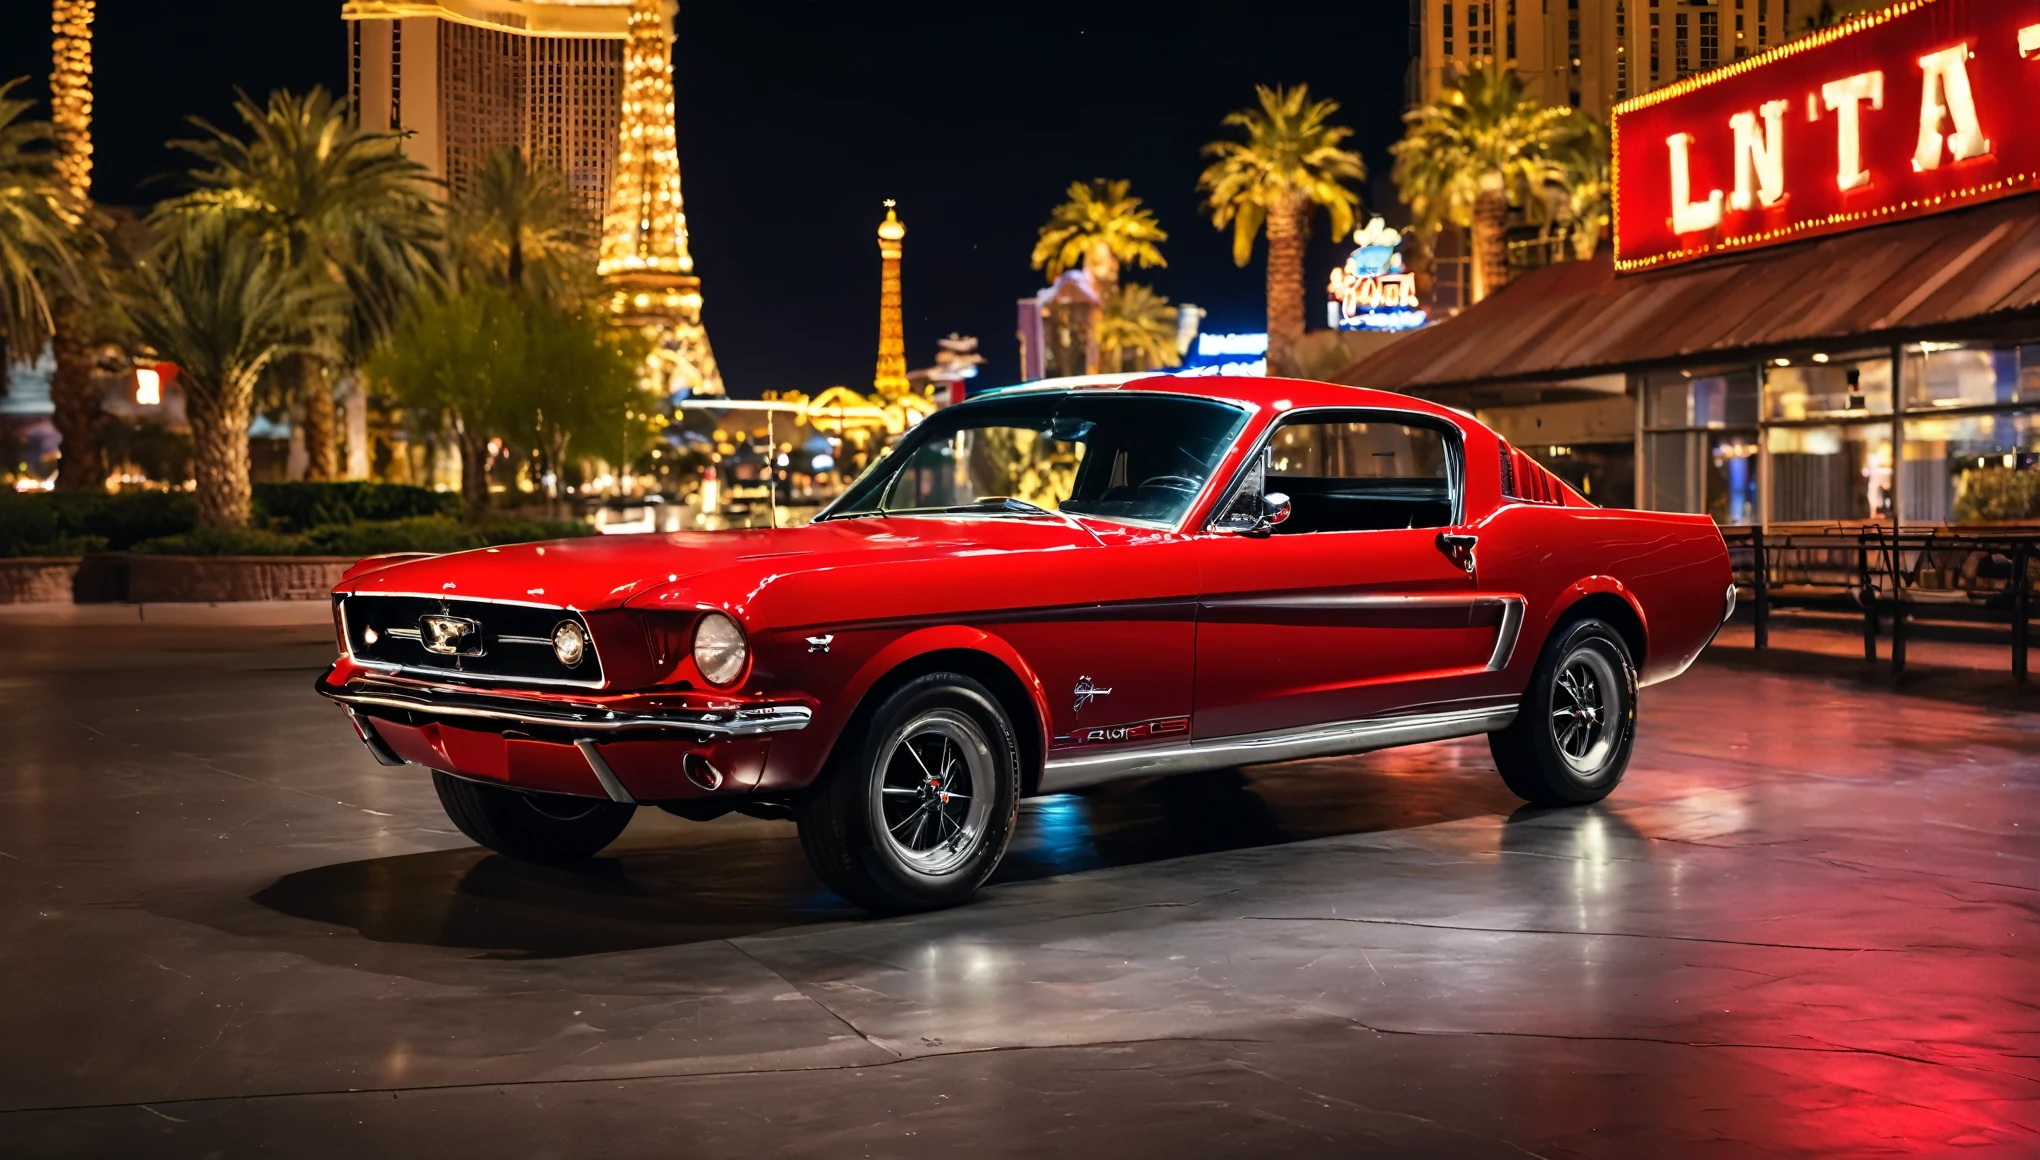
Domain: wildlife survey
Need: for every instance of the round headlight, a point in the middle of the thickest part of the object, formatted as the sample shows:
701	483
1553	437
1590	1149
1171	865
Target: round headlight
570	643
719	648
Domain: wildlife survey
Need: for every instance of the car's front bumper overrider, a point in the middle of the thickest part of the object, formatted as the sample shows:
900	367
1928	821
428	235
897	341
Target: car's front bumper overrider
493	710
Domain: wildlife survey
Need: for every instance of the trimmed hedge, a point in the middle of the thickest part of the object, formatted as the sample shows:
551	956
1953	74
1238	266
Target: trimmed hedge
70	523
289	519
366	538
298	507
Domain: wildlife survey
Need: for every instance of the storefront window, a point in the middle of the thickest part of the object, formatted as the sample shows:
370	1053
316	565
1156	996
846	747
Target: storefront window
1972	469
1951	375
1824	386
1711	472
1820	474
1700	444
1603	472
1700	399
2029	373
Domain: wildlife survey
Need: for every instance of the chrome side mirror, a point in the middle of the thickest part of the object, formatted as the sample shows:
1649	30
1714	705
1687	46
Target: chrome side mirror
1274	510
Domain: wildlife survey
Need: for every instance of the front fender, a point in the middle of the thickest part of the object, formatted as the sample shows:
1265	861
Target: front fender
797	759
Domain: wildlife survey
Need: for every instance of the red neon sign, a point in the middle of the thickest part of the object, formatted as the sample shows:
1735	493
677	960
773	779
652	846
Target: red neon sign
1925	107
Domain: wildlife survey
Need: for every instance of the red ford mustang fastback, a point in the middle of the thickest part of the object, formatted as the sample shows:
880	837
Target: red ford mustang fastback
1035	591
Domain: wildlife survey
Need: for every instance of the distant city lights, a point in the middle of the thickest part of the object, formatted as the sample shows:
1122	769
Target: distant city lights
1219	354
1216	345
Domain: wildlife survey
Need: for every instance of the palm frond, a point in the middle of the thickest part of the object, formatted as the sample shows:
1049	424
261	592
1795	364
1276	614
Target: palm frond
340	203
1293	153
1103	214
1489	125
42	229
1138	325
518	228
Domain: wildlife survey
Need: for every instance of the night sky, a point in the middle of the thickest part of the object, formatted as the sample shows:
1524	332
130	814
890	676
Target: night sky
798	118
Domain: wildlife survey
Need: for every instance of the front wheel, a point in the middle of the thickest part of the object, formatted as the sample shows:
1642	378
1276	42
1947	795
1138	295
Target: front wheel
531	827
916	809
1570	742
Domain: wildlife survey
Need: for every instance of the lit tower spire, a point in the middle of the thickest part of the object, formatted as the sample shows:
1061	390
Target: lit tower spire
71	93
644	256
891	380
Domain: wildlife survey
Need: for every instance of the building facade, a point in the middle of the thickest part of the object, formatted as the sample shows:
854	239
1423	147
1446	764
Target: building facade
467	77
1590	54
1822	305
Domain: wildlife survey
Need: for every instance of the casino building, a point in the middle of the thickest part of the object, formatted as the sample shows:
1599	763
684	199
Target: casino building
463	78
1822	303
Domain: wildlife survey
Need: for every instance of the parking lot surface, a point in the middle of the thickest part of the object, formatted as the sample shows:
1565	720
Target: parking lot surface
1804	925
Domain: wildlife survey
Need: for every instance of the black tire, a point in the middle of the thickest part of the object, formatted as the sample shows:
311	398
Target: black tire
876	829
531	827
1570	742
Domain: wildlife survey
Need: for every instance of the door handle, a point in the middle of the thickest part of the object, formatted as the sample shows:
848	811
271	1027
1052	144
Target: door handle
1458	549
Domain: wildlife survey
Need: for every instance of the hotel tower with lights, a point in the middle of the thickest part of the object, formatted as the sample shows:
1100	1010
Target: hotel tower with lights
1590	53
583	85
465	78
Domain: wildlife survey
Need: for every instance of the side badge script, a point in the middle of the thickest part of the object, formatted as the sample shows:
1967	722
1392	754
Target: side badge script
1087	693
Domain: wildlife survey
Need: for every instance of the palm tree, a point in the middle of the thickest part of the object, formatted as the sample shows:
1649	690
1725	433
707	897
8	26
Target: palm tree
87	322
518	228
1099	228
1137	331
38	248
1485	144
1291	162
215	301
340	204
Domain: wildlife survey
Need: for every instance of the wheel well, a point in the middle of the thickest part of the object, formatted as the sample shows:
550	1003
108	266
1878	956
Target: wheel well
988	671
1616	611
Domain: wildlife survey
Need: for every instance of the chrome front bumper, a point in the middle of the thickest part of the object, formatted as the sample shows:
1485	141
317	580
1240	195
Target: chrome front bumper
443	702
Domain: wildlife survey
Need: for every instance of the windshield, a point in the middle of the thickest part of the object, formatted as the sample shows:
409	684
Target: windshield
1131	456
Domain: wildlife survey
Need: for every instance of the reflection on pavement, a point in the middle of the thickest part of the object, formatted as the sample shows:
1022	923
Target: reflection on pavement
669	882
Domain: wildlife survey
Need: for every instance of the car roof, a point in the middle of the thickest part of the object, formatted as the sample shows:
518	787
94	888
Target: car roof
1262	393
1284	394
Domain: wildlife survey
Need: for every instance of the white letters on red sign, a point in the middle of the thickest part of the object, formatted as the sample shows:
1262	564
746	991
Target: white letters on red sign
1759	157
1845	98
1945	96
1946	103
1689	216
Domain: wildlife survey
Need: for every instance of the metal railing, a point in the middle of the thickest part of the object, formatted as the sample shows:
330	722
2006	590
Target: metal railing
1926	574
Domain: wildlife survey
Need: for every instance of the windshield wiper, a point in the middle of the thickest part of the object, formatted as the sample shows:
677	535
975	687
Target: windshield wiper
1001	503
987	505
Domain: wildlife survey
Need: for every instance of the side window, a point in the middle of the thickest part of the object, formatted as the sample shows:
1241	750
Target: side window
1361	475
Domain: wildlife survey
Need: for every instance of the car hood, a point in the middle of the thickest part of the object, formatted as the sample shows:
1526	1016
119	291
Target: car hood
598	572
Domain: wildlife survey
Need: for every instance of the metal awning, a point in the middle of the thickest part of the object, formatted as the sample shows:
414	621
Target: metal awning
1970	273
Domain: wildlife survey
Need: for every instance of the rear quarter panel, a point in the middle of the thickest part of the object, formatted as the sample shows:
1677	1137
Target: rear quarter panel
1671	569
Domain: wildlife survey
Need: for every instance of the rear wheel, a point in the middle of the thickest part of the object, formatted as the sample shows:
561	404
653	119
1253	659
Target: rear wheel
531	827
1571	739
916	809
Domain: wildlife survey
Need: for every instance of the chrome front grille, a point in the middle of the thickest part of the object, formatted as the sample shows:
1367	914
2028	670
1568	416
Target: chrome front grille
477	640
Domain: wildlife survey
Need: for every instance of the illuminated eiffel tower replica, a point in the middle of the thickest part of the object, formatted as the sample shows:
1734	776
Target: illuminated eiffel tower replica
644	259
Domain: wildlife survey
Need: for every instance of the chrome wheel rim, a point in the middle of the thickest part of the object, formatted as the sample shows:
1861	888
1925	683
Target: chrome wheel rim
932	796
1585	712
